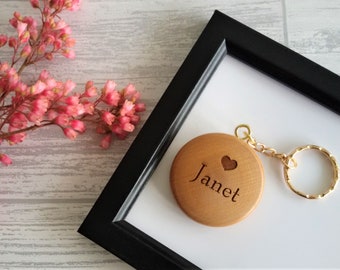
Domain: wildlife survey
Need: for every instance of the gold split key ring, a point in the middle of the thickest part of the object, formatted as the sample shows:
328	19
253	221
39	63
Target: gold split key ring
243	132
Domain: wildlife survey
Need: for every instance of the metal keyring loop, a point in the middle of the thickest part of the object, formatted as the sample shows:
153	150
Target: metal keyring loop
246	132
330	157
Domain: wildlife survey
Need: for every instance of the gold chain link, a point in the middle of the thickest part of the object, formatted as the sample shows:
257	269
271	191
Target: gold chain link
287	161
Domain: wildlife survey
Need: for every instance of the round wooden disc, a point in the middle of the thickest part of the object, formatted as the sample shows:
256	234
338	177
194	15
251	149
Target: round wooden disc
217	179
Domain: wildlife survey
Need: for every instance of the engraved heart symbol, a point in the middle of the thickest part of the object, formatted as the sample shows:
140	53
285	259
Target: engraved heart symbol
228	163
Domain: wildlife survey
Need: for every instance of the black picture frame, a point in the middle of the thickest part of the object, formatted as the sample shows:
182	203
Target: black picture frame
105	224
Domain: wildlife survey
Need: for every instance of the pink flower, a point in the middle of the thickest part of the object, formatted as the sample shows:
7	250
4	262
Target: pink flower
123	120
51	115
75	5
4	67
60	25
90	89
16	138
68	87
58	43
17	15
6	160
109	86
70	42
128	127
3	40
112	98
119	131
106	141
37	88
18	120
24	37
90	92
125	124
13	21
139	107
131	93
21	28
78	125
71	5
70	133
128	108
13	78
70	54
72	100
49	39
44	75
50	83
42	49
31	27
65	32
13	43
35	3
35	118
75	110
134	119
62	120
26	51
39	106
88	107
21	89
59	90
108	117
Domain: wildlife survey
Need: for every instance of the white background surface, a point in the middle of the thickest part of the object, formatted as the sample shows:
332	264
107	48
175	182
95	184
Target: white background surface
285	230
53	183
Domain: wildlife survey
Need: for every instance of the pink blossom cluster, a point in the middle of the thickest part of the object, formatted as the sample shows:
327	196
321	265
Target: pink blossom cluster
31	44
25	107
120	112
51	102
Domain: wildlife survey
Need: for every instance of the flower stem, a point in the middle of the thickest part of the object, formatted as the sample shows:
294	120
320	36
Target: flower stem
30	128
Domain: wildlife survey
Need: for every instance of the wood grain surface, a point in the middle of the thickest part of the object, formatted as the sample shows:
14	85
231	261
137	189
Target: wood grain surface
217	179
47	192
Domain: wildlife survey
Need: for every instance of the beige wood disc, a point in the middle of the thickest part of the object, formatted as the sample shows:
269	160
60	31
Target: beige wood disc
217	179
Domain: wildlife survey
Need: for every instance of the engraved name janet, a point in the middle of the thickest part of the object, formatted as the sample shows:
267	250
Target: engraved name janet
215	185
